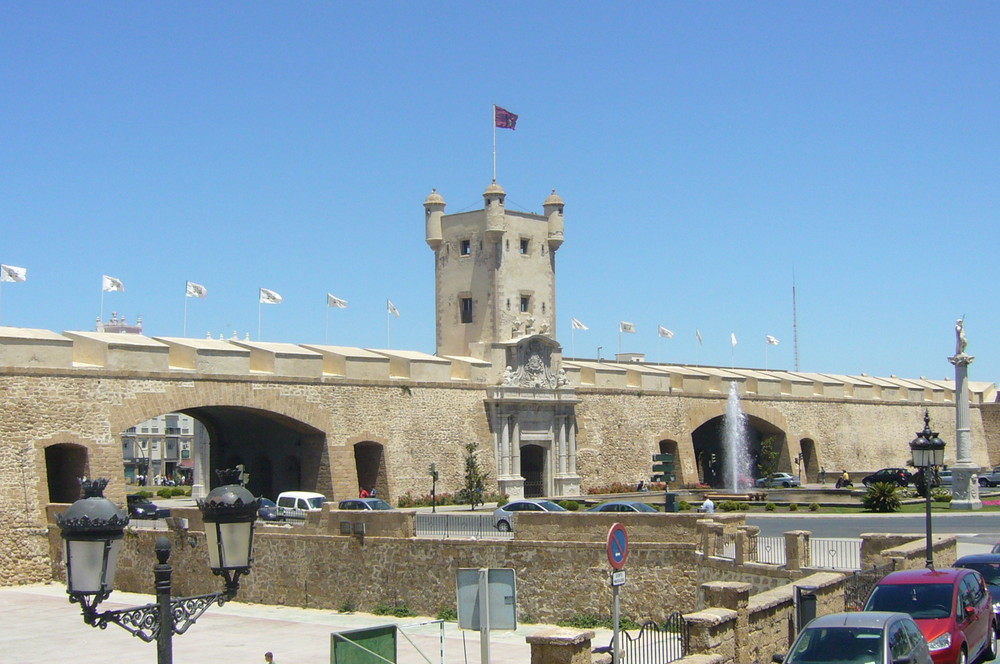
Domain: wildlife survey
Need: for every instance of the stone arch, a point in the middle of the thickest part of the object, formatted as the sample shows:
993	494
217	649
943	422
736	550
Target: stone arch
671	446
809	460
65	464
369	464
706	438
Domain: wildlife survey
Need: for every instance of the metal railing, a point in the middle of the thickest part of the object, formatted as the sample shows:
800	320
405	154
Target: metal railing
450	524
769	550
859	585
656	644
843	554
727	546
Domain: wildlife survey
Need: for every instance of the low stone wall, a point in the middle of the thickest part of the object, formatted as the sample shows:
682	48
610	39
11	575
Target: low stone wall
907	551
642	527
296	567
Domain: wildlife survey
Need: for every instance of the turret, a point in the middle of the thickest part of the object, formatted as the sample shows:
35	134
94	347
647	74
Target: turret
433	211
553	207
493	200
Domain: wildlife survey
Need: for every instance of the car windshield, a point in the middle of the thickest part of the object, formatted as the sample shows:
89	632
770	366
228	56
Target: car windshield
643	507
990	571
316	503
922	600
550	506
837	645
379	504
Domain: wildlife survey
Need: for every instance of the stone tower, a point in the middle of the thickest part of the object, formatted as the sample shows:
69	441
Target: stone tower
495	276
495	289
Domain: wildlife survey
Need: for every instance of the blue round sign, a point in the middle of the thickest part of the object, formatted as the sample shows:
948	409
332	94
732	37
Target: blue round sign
617	546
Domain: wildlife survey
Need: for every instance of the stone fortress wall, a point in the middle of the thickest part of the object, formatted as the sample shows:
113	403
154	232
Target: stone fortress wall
84	389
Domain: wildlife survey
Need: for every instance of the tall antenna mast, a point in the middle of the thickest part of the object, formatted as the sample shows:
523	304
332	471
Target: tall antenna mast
795	323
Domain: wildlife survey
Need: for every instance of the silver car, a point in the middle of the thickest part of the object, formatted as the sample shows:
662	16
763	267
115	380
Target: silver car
860	636
505	515
623	506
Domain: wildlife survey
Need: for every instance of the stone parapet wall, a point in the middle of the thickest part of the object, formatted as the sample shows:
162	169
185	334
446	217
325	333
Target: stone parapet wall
594	527
555	580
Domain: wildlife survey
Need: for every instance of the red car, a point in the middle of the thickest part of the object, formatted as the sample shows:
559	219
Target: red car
952	607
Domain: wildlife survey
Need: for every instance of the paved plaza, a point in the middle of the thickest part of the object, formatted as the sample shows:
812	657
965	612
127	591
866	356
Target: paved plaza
40	626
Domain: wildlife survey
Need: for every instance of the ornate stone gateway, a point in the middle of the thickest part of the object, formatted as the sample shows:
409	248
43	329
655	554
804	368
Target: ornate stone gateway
533	408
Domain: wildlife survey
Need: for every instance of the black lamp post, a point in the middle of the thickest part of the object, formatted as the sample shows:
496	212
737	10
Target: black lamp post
434	479
92	530
928	453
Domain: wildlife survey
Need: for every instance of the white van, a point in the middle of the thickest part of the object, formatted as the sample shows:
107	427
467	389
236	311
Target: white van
295	504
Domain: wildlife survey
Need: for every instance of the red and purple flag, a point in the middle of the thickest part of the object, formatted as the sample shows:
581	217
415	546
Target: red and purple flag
504	118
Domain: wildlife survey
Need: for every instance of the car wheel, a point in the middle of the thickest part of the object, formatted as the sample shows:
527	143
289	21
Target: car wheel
963	657
503	526
991	645
983	481
787	485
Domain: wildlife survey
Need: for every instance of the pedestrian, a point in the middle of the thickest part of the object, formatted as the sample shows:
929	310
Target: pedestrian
269	658
708	507
372	492
822	475
364	493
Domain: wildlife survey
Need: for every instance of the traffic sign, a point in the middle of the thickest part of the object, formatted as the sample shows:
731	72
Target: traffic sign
617	546
663	466
618	578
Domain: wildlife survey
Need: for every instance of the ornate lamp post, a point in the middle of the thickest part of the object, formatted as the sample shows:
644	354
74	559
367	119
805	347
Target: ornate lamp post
928	454
92	530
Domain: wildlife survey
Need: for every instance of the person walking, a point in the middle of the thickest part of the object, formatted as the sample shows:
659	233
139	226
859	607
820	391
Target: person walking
269	658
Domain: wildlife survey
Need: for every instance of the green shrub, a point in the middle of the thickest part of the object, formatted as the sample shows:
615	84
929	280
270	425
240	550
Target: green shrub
683	505
348	606
882	497
793	507
733	506
570	505
941	496
144	493
769	507
813	507
502	499
165	492
447	613
398	610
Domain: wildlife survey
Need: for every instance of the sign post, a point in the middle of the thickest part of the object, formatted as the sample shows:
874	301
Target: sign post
617	555
663	469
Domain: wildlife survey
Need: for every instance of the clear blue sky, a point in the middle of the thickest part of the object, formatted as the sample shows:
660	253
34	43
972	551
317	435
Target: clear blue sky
704	151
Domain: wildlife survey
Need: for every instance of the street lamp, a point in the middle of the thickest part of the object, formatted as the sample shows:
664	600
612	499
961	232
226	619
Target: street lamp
928	453
434	478
92	531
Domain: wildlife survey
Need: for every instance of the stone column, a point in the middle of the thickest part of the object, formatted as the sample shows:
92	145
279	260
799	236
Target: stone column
797	549
965	477
746	544
560	645
735	597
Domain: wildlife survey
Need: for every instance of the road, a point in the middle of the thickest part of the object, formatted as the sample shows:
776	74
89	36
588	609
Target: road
978	528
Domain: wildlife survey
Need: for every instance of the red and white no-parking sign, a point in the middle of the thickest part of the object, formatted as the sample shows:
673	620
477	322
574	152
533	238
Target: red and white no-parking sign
617	546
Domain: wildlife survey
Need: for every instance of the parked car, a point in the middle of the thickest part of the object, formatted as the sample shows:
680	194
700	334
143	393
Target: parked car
987	564
141	507
267	510
295	504
364	504
992	478
944	478
878	637
900	476
951	606
505	515
778	479
622	506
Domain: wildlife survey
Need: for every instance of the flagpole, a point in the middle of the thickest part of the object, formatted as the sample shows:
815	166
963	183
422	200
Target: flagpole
260	307
185	311
101	319
494	142
619	339
388	323
572	335
765	354
326	332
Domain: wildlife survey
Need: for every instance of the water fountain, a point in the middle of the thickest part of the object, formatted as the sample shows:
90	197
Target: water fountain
736	469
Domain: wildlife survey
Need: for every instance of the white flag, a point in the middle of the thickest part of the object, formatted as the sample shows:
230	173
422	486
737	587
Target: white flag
12	273
110	284
333	301
195	290
732	338
268	296
664	332
697	333
577	325
771	340
392	308
625	326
